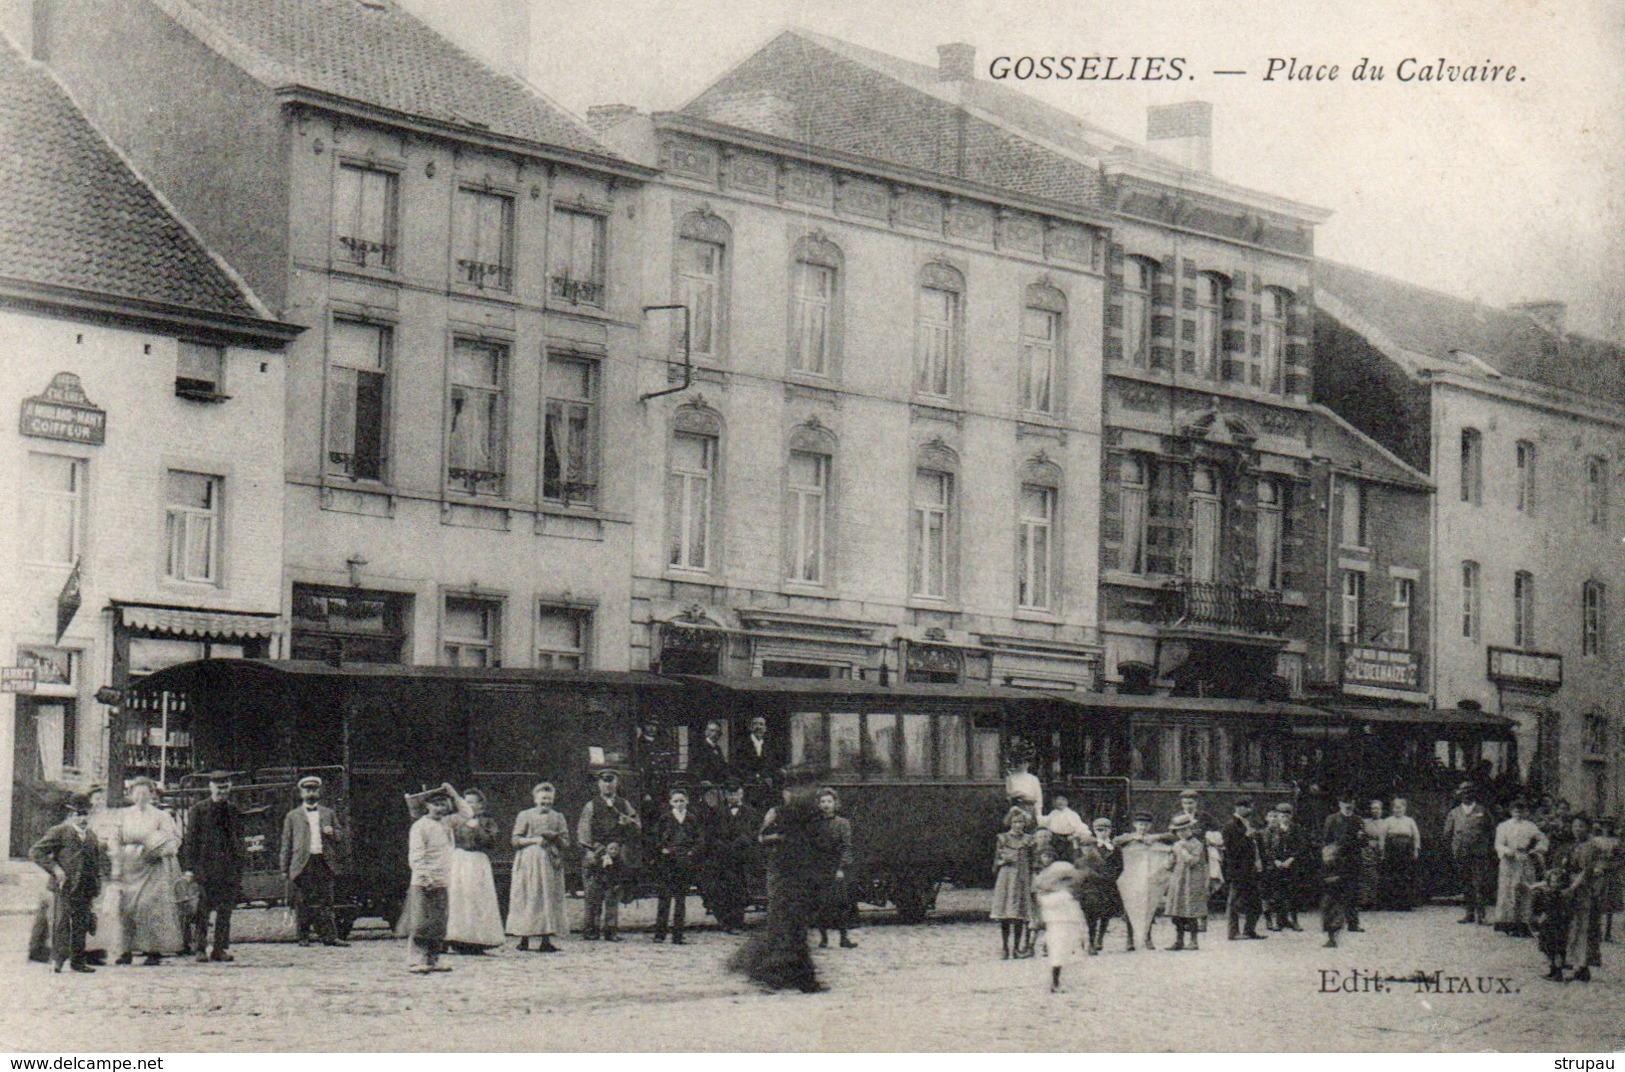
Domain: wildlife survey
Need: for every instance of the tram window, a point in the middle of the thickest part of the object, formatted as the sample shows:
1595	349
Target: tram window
880	731
1248	757
985	746
809	743
1194	754
916	746
845	742
953	745
1220	767
1145	754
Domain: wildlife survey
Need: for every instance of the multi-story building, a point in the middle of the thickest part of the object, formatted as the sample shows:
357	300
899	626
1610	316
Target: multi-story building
143	387
459	250
1520	426
885	460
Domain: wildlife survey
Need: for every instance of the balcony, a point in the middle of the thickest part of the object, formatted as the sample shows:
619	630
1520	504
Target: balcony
578	291
1228	608
485	276
366	253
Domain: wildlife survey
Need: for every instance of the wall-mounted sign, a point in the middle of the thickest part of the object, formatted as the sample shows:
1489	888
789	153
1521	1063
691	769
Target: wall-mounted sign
1509	666
1382	668
18	678
51	666
64	412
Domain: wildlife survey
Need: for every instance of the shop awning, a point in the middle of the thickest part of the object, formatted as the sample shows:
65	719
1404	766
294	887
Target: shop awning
205	624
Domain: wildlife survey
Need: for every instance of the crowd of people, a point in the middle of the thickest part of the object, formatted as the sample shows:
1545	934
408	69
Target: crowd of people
1062	881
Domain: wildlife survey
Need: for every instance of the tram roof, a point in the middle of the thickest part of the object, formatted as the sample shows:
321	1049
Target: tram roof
852	689
1441	716
1195	705
294	669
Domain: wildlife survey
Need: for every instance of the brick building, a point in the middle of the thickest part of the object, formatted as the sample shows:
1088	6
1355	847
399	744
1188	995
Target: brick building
1519	425
887	459
458	249
142	383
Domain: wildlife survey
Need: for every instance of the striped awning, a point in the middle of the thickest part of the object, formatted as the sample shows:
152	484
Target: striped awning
217	624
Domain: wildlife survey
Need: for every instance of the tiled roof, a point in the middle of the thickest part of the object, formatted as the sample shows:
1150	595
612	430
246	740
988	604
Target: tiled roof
376	54
1440	327
72	214
847	100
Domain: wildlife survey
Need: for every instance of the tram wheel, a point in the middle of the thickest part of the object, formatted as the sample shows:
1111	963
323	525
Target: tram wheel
914	896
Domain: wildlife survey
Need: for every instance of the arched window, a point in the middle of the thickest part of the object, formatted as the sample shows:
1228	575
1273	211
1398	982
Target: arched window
1139	286
702	282
815	307
1037	536
933	524
939	331
691	489
1270	369
807	505
1211	291
1043	331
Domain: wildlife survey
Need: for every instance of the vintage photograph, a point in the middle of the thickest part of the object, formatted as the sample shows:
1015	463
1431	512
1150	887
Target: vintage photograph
549	526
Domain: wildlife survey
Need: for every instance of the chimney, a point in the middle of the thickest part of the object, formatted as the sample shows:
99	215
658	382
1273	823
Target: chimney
601	117
496	32
956	62
1548	314
1182	132
760	110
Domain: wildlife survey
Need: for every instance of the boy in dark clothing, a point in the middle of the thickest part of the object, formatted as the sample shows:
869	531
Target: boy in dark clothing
1550	903
1334	898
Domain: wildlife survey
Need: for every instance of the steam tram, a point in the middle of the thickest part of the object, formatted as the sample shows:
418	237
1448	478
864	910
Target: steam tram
919	767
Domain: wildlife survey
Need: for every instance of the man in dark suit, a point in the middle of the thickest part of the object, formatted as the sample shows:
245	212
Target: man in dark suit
73	857
1347	831
753	758
1243	870
733	860
681	838
608	827
1286	857
1470	833
213	853
312	841
709	766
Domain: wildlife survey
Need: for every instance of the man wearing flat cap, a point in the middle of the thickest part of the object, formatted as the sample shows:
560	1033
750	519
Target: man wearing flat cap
607	826
213	853
73	856
1470	833
312	841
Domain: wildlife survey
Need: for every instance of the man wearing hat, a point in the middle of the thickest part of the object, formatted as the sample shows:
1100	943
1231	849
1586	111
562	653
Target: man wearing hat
733	861
73	857
1286	858
1344	833
1470	833
608	824
311	843
1243	873
212	852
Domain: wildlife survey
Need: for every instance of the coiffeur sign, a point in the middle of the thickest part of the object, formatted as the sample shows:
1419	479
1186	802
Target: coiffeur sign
64	412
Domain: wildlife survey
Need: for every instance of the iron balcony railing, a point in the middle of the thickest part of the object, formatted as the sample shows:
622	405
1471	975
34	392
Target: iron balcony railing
1230	607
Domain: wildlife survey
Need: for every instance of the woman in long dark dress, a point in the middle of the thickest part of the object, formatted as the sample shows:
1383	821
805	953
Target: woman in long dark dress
835	909
776	957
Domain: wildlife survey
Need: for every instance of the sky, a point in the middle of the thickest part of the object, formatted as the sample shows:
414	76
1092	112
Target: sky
1496	192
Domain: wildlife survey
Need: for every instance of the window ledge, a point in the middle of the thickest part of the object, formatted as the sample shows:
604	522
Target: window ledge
365	271
937	409
468	290
581	510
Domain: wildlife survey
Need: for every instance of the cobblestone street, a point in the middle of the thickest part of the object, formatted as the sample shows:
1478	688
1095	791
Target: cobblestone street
940	986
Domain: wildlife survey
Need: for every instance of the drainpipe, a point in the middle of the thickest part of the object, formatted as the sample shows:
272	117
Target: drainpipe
688	364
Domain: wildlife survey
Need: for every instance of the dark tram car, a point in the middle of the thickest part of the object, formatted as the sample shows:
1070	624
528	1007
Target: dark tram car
919	767
376	732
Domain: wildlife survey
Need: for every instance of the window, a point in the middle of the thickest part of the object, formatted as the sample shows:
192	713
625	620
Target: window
1204	525
699	273
688	494
570	431
576	257
192	522
478	439
1399	624
1210	295
813	304
200	371
1145	753
937	341
985	746
1353	598
1526	476
1469	600
845	741
809	740
364	217
53	508
933	503
1037	548
1597	491
808	503
1594	735
953	745
1352	492
484	239
1268	570
470	632
1042	324
1272	346
563	635
1472	466
1139	282
1132	478
358	357
1593	608
1523	609
880	739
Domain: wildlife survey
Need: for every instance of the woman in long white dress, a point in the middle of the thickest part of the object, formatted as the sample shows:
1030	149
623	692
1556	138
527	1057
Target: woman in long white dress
147	841
1055	889
536	900
108	941
474	923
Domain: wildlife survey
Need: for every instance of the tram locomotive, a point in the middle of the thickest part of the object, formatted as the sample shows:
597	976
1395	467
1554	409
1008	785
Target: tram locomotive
919	767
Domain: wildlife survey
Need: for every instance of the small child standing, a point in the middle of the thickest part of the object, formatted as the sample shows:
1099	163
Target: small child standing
1332	899
1013	881
1549	901
1055	888
1187	883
